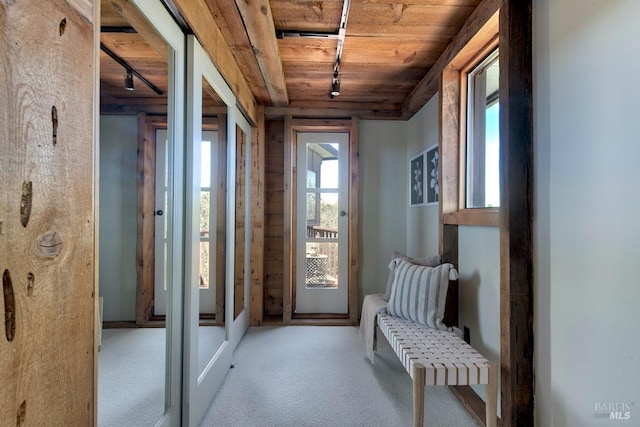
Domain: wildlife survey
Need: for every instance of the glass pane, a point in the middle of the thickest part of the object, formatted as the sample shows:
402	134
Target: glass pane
325	225
312	208
211	331
204	265
322	265
483	135
329	173
492	157
205	164
312	179
205	213
133	352
328	226
322	165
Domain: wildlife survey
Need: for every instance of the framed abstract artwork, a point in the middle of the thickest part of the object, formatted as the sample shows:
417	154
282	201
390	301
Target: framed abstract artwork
417	180
432	185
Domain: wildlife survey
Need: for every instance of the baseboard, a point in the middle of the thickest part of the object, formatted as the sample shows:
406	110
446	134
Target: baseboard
277	321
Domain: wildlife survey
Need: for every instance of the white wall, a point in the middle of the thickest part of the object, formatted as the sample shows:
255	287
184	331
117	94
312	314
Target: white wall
479	290
118	205
383	200
422	221
587	174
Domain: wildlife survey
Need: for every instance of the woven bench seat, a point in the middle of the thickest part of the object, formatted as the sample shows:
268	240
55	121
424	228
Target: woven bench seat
433	357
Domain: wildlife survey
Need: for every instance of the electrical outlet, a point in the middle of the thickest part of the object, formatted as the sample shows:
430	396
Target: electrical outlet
467	335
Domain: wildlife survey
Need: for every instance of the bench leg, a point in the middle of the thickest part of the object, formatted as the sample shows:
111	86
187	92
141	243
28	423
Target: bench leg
491	406
418	394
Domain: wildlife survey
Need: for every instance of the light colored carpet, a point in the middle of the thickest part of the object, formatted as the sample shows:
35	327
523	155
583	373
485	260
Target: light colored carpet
320	376
131	373
131	377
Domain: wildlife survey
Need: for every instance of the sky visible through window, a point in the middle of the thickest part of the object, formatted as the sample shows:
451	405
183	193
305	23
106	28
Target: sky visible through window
492	156
205	164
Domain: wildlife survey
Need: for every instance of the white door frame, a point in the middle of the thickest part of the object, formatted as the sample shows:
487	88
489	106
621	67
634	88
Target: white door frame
320	299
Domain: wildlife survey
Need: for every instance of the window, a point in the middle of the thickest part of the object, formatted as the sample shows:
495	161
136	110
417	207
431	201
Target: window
469	132
483	134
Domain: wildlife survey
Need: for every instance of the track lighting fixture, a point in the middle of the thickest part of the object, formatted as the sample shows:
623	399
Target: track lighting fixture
128	77
335	86
128	80
342	30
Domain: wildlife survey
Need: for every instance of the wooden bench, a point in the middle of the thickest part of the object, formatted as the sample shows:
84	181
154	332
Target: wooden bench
433	357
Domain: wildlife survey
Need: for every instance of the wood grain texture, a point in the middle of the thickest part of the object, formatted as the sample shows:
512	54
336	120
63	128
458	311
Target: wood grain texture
288	290
233	30
221	218
274	219
47	370
428	86
257	220
482	217
146	31
145	223
354	215
197	14
240	216
449	147
516	237
258	23
335	109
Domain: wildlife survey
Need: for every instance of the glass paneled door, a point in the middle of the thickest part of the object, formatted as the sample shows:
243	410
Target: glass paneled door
322	223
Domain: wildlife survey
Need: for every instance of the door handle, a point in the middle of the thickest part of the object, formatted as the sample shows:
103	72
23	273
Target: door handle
159	212
342	213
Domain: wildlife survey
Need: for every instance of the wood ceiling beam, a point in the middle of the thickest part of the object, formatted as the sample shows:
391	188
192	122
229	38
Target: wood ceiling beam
132	15
260	28
199	18
272	113
428	86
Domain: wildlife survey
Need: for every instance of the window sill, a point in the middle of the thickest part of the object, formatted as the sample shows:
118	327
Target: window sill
481	217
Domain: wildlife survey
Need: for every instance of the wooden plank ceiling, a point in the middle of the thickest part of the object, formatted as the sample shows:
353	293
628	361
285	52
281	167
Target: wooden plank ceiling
388	49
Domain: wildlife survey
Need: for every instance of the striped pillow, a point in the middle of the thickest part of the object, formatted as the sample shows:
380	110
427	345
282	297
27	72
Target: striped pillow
419	293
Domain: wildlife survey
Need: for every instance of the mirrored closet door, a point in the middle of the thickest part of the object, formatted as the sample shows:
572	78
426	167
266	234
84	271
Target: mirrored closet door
215	316
142	82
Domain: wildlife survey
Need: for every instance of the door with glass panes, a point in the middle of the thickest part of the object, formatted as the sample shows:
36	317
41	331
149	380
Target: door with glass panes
322	223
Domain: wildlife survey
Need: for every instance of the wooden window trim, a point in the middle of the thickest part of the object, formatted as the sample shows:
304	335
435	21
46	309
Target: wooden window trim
489	217
515	216
453	134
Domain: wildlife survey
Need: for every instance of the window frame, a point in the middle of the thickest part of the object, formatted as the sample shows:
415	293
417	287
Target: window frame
453	132
475	122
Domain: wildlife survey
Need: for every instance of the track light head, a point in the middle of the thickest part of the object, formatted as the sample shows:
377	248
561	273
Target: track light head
128	80
335	87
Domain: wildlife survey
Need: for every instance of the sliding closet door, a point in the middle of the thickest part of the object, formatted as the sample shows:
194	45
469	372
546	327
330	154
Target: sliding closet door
141	368
209	239
239	300
176	53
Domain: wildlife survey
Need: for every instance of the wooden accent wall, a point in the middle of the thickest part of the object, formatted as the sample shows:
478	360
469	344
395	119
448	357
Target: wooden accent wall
240	216
274	219
145	243
47	218
512	21
516	201
256	250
